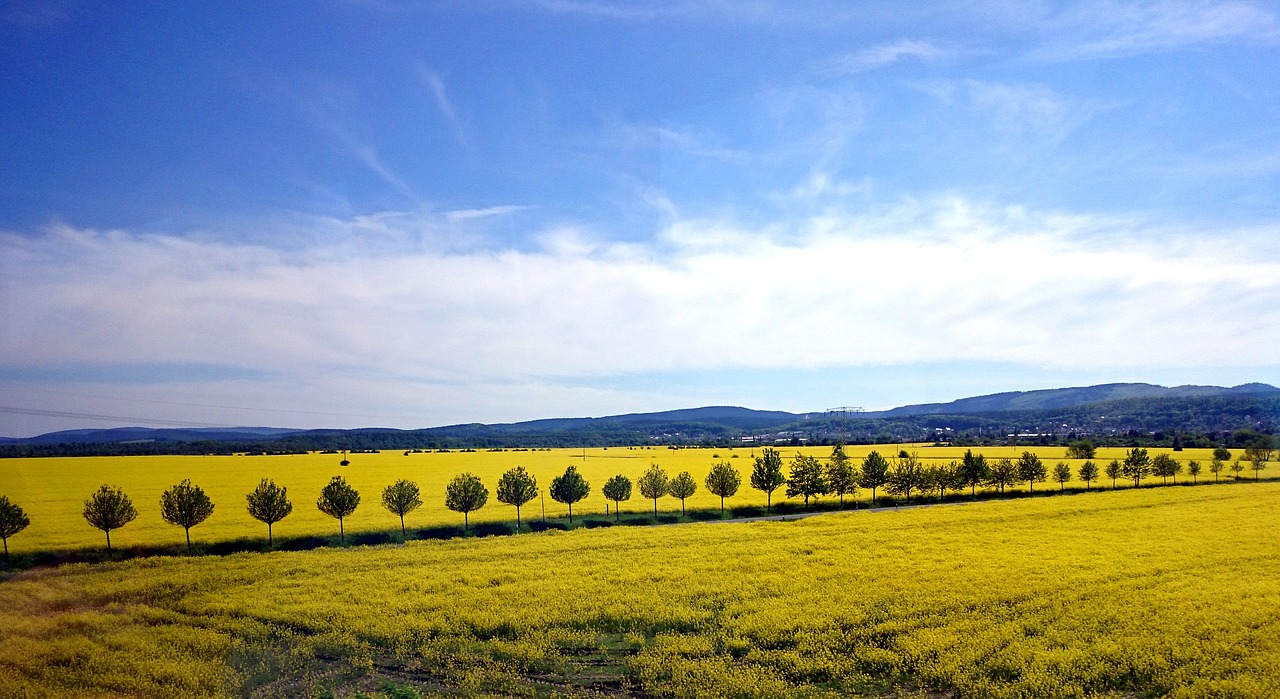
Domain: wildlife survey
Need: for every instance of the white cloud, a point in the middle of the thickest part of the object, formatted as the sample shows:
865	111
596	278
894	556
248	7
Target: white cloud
879	56
1107	28
436	85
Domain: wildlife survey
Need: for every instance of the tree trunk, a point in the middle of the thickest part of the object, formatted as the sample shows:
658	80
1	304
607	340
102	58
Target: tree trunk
108	542
681	507
466	521
403	536
570	513
517	519
270	541
342	533
617	511
188	530
721	505
768	503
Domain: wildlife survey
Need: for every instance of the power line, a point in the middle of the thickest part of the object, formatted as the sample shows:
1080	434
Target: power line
107	418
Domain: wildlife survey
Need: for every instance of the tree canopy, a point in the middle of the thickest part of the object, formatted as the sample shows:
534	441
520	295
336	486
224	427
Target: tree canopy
466	494
185	505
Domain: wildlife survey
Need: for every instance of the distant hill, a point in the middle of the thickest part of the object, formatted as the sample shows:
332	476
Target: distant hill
152	434
1069	397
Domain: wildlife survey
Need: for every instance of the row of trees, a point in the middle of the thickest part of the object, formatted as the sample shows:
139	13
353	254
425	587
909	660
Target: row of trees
187	505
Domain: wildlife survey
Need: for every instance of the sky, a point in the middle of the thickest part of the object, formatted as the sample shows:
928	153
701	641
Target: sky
400	213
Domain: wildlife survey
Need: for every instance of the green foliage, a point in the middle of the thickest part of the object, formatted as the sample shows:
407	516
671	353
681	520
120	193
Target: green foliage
1137	465
943	477
269	503
723	481
1031	469
766	474
1114	471
617	489
1003	474
841	476
185	505
338	499
1193	468
1216	466
517	487
1165	466
401	498
973	470
808	478
682	486
1081	449
1088	473
12	521
568	488
466	494
875	472
1062	474
908	475
109	508
1222	454
653	485
1259	452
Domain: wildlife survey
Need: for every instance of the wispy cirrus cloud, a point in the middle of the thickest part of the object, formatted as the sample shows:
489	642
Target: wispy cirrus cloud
439	93
1110	29
879	56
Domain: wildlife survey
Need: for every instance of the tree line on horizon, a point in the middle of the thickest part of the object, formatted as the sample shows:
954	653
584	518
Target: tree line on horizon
187	505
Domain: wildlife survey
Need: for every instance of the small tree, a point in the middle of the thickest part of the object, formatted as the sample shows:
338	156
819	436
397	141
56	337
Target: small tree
723	481
875	473
653	485
908	474
1237	466
1088	473
1003	474
185	505
466	494
338	500
1259	452
517	487
1165	466
808	478
569	488
1062	474
617	489
840	474
1216	466
109	508
1193	468
973	470
1222	454
269	503
1137	465
1081	449
944	477
766	475
1114	471
401	498
682	486
12	521
1031	469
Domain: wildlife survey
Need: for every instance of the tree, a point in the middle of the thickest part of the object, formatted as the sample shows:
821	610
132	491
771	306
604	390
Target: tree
723	480
466	494
875	472
943	477
1137	465
1193	468
269	503
908	474
841	477
766	475
1088	473
1217	465
808	478
338	500
185	505
401	498
973	470
12	521
682	486
1081	449
1003	473
1114	471
1031	469
1237	466
653	485
1259	452
1062	474
1222	454
109	508
569	488
1164	466
517	487
617	489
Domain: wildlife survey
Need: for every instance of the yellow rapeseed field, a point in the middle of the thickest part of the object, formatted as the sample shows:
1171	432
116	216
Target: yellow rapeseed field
1133	593
52	490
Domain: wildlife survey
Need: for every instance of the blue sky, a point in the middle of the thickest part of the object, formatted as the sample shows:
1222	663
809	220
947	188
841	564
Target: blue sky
410	214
